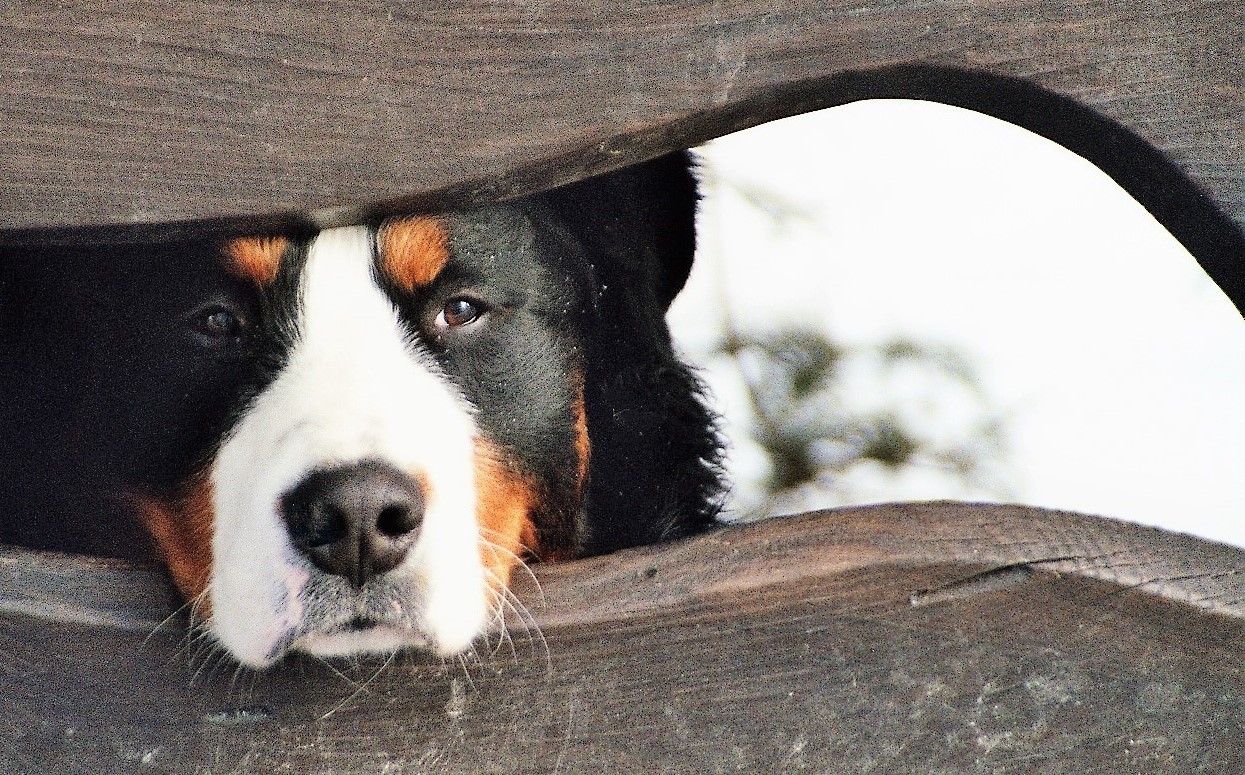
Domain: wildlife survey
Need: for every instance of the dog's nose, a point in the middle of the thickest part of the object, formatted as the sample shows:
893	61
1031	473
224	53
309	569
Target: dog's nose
355	521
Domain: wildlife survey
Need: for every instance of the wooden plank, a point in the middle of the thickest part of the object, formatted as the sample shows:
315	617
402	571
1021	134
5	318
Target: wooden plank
902	639
125	113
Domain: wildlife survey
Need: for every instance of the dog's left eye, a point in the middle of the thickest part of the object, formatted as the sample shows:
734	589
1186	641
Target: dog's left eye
458	312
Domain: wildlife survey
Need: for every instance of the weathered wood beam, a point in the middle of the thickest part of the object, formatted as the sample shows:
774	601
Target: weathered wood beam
904	639
908	639
185	111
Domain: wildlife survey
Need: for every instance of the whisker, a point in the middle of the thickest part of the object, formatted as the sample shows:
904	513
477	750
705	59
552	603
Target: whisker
360	688
215	659
333	669
507	600
192	635
186	607
202	651
505	597
460	658
519	562
498	620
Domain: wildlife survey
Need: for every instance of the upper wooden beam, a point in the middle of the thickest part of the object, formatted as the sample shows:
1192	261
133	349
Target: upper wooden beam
185	111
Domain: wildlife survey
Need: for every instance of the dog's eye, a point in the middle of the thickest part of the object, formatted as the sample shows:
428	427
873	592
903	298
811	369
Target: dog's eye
220	324
458	312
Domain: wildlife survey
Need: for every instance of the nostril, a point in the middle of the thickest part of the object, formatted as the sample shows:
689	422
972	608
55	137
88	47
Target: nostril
328	525
396	521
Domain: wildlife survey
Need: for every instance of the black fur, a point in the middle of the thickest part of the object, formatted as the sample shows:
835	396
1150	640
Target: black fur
110	386
106	386
656	473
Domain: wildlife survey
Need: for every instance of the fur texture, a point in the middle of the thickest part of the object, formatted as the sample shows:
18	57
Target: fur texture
344	441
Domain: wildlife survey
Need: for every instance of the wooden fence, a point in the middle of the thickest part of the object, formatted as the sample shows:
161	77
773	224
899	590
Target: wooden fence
900	639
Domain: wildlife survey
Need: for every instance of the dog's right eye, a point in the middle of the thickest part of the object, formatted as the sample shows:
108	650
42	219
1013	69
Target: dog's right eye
218	324
221	323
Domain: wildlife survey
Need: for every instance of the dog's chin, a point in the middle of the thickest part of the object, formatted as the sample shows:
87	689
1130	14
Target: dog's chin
361	640
318	614
354	640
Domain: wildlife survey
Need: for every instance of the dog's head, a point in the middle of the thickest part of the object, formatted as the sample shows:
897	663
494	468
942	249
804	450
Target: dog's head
343	442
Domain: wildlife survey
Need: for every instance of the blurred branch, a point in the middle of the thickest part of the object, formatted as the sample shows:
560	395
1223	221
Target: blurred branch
813	434
811	426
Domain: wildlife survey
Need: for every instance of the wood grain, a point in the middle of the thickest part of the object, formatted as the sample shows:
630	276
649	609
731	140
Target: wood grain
902	639
162	111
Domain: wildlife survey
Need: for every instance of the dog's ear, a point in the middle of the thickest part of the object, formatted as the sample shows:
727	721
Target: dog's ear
642	219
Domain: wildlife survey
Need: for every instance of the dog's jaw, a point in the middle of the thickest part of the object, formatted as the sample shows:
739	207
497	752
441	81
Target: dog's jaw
355	387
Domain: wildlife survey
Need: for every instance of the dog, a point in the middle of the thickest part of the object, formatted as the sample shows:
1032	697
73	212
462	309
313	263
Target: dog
344	441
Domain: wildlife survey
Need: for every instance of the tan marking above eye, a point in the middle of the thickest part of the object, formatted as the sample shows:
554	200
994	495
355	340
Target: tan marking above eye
256	258
413	251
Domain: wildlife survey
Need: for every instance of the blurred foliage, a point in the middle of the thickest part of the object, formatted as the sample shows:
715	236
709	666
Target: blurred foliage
813	433
924	424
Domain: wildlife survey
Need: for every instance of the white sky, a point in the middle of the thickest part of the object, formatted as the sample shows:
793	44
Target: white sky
1118	362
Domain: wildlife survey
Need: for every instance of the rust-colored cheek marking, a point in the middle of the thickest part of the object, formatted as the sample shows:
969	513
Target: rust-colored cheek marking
413	251
256	258
583	444
182	529
505	501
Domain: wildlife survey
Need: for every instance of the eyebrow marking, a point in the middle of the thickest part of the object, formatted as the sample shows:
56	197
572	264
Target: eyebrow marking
256	258
413	251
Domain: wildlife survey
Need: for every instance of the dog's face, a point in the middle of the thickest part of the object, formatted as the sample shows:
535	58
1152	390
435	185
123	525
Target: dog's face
344	442
416	410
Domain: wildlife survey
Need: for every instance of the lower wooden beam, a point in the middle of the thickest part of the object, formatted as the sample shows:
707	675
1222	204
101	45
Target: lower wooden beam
899	639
